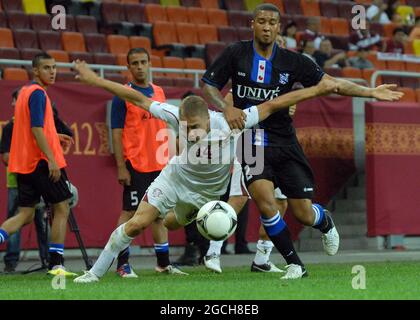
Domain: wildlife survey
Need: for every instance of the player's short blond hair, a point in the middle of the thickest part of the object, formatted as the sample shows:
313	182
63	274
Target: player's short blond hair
193	106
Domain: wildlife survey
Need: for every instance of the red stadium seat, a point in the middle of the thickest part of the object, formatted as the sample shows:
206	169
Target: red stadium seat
329	9
234	5
25	39
70	23
130	1
118	44
116	77
29	54
187	33
334	72
349	72
164	33
15	74
135	13
73	42
40	22
367	75
310	8
83	56
177	14
49	40
195	64
155	13
176	63
409	95
389	29
59	55
96	43
121	59
163	81
112	13
86	24
183	82
392	80
10	5
156	63
9	53
213	50
3	20
325	25
292	7
207	33
412	66
245	33
395	65
18	20
190	3
344	9
239	18
413	83
140	42
104	58
6	38
217	17
197	15
228	34
209	4
278	3
340	26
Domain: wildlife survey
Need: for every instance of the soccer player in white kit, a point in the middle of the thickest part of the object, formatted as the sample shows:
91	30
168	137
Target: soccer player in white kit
198	175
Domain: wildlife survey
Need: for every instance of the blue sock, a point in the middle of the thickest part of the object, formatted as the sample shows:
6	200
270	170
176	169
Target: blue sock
56	248
279	234
3	236
322	221
162	254
56	252
123	257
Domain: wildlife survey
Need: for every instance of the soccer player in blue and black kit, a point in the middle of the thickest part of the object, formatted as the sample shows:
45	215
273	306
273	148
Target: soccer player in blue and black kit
261	71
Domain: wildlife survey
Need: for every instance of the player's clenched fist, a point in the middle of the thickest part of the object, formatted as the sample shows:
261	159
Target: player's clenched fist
85	74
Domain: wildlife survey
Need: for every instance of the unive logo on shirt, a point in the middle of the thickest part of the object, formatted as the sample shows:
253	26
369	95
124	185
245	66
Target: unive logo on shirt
284	78
258	94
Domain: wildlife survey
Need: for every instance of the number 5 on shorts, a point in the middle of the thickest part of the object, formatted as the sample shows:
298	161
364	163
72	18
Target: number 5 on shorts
134	198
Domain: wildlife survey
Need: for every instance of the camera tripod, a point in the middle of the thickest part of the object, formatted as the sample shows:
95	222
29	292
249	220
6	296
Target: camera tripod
73	228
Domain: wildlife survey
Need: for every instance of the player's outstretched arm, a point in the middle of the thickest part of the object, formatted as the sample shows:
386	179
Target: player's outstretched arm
385	92
284	101
86	75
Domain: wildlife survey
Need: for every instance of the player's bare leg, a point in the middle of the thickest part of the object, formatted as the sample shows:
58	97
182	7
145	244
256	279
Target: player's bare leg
262	191
316	216
120	239
24	216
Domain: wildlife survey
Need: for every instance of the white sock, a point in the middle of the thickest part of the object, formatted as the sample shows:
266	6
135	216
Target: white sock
118	241
215	248
263	252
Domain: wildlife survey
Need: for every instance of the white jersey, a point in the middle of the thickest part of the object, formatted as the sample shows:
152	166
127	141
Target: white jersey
205	165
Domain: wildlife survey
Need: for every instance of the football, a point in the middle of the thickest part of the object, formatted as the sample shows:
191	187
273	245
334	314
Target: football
216	220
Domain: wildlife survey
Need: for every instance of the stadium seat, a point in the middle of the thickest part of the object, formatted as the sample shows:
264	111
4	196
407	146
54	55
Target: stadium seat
239	18
367	75
104	58
177	14
389	29
73	42
187	33
49	40
409	95
116	77
310	8
325	26
207	33
408	47
155	13
112	13
278	3
167	3
410	82
418	95
209	4
176	63
3	20
190	3
250	5
392	80
349	72
10	5
245	33
164	33
15	74
118	44
292	7
135	13
70	23
86	24
213	50
83	56
376	27
96	43
121	59
344	9
195	64
6	38
334	72
329	9
59	55
140	42
65	76
163	81
228	34
217	17
40	22
340	26
234	5
156	63
29	54
183	82
9	53
197	15
300	20
25	39
412	66
34	6
18	20
395	65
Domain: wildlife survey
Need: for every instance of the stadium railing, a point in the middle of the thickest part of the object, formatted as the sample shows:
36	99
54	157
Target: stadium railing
103	68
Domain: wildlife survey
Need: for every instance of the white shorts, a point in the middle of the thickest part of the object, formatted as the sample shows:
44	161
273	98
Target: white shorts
168	192
238	187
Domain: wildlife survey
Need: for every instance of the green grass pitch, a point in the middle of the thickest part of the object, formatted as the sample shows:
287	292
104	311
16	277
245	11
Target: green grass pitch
385	280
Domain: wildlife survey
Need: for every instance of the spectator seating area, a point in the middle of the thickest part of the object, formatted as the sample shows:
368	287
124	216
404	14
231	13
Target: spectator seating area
178	34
